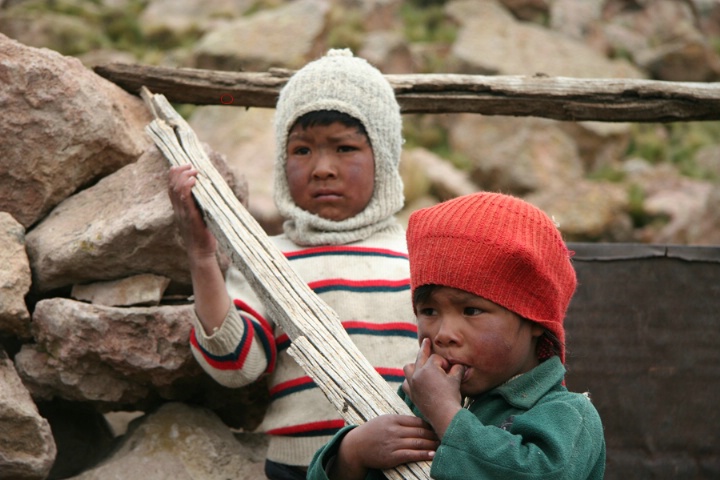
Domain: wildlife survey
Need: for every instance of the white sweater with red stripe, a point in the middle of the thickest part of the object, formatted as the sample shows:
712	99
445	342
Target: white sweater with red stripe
368	284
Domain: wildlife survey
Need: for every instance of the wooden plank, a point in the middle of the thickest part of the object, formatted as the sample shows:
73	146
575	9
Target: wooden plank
559	98
319	342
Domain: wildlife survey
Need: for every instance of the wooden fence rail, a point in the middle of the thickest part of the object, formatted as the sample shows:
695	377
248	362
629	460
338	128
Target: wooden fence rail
559	98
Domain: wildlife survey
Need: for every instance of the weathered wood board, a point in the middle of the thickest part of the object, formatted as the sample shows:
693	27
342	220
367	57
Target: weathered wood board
559	98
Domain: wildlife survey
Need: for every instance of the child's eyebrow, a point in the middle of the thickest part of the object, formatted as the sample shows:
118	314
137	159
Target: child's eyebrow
296	136
349	132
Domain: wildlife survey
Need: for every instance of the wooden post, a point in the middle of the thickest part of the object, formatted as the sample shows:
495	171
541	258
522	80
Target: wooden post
319	342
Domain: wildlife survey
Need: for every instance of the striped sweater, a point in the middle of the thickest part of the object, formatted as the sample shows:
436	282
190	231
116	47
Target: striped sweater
367	283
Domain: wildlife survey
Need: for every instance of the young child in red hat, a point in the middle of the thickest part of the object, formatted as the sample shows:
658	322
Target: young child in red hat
491	281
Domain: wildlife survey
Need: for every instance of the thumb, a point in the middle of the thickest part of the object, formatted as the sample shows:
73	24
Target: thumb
457	372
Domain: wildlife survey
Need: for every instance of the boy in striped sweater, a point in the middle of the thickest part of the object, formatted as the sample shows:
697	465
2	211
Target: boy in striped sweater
337	184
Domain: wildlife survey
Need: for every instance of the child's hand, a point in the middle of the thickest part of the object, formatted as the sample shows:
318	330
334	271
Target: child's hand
199	241
384	442
434	387
211	299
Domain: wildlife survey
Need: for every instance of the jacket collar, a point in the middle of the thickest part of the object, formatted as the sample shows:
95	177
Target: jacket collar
525	391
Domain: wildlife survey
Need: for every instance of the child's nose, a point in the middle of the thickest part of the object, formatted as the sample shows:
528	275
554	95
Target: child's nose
324	165
447	334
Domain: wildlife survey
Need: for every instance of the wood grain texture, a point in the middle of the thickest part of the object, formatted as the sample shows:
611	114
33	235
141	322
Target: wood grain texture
558	98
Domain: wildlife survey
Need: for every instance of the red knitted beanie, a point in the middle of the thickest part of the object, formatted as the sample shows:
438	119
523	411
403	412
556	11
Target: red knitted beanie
497	247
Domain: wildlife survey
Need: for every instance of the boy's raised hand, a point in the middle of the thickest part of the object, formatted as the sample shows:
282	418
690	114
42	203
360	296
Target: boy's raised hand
383	442
210	295
433	385
199	241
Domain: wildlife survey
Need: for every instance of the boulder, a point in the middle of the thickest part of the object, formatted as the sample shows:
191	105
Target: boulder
182	442
587	211
491	41
578	20
27	447
163	19
122	226
108	355
246	138
516	155
680	210
423	173
144	289
388	51
706	229
281	37
64	127
662	37
126	359
601	145
15	278
63	32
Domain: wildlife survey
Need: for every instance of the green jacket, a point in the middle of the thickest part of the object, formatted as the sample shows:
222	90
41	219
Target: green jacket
529	428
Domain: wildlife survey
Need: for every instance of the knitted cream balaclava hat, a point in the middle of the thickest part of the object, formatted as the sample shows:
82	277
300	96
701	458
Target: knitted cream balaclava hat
339	81
500	248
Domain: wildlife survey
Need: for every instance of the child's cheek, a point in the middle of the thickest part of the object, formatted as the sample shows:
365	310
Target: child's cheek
426	328
491	352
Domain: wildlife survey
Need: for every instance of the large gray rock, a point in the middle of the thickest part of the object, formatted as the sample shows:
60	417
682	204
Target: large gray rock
578	20
63	127
282	37
706	230
180	442
62	32
15	278
377	15
139	290
490	40
122	226
423	173
126	359
27	448
684	206
602	145
175	18
107	355
246	138
516	155
388	51
679	210
662	37
119	227
587	211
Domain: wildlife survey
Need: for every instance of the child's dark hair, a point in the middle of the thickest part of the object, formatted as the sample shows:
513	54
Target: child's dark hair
423	292
548	343
326	117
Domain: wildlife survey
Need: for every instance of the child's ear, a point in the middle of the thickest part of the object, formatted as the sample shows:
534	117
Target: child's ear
537	330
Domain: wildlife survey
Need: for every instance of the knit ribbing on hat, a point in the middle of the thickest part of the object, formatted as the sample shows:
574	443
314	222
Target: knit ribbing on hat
497	247
339	81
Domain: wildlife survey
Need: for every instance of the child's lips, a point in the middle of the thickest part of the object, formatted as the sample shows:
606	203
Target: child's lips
326	195
466	370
